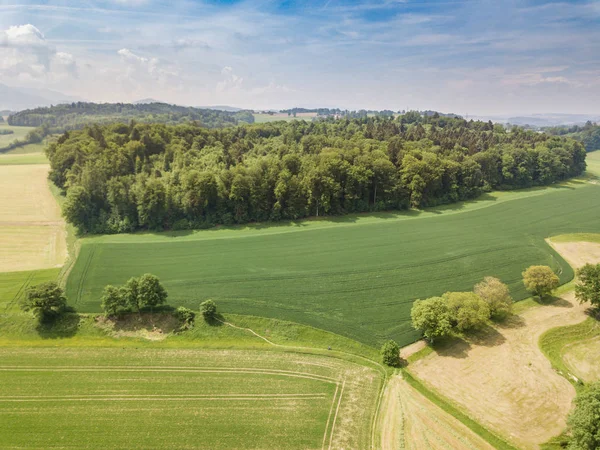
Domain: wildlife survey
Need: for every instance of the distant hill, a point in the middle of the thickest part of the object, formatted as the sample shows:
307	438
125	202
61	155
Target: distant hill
17	99
77	115
145	101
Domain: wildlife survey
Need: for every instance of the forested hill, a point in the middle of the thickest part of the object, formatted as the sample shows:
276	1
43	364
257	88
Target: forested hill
589	134
76	115
122	177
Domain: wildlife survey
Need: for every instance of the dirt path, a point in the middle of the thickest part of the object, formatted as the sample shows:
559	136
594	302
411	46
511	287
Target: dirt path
411	421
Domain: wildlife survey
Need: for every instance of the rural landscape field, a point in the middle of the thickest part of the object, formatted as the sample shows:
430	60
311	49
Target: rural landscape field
384	235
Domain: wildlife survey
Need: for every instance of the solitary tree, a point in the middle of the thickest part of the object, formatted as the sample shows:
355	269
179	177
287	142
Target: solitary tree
150	290
45	300
584	421
540	280
431	317
390	353
113	300
496	294
588	287
468	311
208	309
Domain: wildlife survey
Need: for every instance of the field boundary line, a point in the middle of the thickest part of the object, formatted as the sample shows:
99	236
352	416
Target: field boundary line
337	387
382	369
336	414
294	374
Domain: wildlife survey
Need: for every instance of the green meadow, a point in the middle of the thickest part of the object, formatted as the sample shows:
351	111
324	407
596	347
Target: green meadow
357	275
182	398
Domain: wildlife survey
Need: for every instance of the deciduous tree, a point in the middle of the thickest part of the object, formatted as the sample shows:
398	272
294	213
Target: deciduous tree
496	295
45	300
587	288
540	280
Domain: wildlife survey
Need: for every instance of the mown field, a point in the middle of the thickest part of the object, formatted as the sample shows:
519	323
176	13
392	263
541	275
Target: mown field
354	276
262	118
183	398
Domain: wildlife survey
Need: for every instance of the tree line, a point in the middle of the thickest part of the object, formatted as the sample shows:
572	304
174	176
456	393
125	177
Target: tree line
588	134
126	177
73	116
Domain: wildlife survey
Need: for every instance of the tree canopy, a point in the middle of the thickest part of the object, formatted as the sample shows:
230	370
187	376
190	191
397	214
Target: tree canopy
497	296
584	421
121	178
587	288
45	300
540	280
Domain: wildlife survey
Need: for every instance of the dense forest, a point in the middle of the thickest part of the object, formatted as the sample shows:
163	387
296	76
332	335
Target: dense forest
589	134
77	115
120	178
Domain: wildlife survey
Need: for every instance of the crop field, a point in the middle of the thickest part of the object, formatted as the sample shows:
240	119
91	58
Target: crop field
14	284
32	231
350	276
162	398
262	118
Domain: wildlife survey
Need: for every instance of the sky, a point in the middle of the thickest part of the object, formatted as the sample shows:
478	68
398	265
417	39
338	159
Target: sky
468	57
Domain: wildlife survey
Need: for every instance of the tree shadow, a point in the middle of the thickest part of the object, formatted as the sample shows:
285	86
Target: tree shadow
552	300
487	337
453	347
63	326
512	321
213	321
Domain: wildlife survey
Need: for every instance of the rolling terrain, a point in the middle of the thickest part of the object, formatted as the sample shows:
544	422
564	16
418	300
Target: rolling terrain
350	276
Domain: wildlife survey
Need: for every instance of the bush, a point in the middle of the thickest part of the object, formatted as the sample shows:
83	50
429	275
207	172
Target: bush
390	354
584	421
208	309
46	301
540	280
496	295
186	316
468	311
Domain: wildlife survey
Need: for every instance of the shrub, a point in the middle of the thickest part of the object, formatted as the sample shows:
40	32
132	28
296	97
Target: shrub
186	316
496	294
390	353
46	301
208	309
540	280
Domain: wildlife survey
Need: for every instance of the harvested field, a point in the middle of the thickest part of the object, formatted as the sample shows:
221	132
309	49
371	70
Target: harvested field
582	358
32	231
503	380
162	398
411	421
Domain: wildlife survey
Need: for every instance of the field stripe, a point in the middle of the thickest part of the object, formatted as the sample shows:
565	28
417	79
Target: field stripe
20	291
288	373
336	414
241	397
329	416
86	267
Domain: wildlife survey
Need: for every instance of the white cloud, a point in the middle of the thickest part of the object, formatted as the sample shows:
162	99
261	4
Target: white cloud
25	55
230	81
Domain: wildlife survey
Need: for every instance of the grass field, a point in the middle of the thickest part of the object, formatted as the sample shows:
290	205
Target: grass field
262	118
18	133
14	284
32	231
356	276
182	398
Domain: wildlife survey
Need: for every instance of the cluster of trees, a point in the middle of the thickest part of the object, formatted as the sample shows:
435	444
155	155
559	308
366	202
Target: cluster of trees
584	421
137	293
588	134
462	312
120	178
46	301
33	137
77	115
5	132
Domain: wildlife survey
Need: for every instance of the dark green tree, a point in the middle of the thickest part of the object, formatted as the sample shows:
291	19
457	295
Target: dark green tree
587	288
208	309
584	421
390	353
45	300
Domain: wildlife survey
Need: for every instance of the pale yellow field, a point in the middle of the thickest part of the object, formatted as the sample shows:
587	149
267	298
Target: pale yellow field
32	231
583	358
411	421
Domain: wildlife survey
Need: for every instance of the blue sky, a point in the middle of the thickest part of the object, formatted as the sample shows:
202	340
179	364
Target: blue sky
467	57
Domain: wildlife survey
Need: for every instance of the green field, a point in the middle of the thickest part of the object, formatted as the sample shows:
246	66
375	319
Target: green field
183	398
356	276
14	284
19	133
262	118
